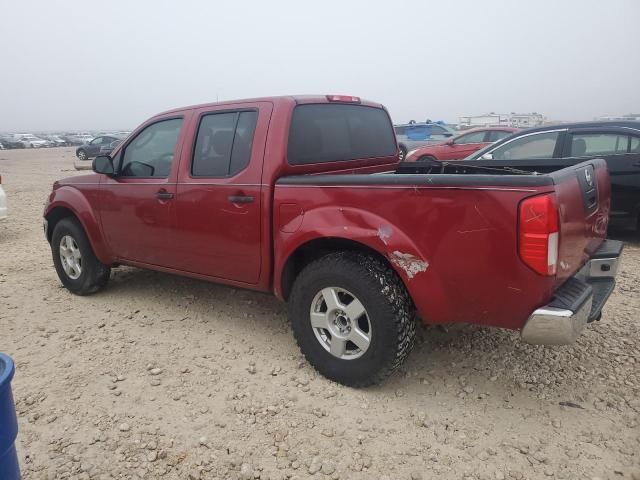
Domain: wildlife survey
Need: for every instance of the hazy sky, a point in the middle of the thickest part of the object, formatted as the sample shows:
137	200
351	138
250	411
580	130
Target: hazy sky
83	64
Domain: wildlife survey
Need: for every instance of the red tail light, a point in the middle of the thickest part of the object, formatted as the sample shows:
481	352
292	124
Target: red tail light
343	98
538	233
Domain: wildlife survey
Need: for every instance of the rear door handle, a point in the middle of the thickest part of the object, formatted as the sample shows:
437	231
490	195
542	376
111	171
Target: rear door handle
162	194
240	199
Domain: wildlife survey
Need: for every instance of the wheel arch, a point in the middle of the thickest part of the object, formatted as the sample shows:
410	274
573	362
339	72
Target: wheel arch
312	250
70	203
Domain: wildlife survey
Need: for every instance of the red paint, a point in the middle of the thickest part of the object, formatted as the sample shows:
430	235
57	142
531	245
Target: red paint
451	149
465	238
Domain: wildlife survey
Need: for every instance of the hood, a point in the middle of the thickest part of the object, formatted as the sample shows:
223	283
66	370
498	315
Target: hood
77	180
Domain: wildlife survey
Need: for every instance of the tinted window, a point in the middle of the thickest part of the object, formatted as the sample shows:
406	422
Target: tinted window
590	144
150	153
223	144
634	147
476	137
539	145
96	141
437	130
495	135
331	133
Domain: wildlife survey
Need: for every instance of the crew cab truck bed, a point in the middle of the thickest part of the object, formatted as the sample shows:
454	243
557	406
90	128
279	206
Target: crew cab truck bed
303	197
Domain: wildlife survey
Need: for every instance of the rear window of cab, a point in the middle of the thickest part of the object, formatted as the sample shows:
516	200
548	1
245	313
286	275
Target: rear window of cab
323	133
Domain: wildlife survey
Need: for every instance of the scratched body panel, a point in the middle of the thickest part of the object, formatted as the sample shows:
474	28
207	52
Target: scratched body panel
455	249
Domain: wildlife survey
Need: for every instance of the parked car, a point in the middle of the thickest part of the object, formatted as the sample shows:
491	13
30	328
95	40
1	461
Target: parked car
98	146
79	138
3	202
546	149
414	135
56	140
9	142
31	141
460	146
1	146
298	196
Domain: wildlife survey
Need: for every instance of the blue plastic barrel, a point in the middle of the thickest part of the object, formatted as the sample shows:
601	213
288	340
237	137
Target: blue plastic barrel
9	469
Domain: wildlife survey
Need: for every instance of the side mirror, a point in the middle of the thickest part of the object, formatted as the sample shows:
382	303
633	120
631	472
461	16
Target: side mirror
487	156
449	142
103	164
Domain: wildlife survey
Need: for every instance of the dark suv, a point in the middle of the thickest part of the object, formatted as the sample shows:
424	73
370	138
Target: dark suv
102	145
546	149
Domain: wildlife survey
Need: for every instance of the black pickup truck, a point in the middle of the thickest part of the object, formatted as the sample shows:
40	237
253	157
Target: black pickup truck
550	148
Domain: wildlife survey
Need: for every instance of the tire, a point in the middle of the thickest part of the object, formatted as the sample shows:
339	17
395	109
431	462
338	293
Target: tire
428	158
389	317
82	155
87	274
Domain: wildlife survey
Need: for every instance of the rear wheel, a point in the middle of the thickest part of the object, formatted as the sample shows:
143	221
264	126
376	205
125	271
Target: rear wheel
352	318
427	158
82	155
77	266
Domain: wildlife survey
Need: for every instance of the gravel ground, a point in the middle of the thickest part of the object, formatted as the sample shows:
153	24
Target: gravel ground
165	377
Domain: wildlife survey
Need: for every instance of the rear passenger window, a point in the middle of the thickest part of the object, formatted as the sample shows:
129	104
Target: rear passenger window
323	133
495	135
634	146
590	144
223	144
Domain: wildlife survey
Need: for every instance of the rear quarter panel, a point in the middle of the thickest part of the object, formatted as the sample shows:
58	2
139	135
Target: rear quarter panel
454	248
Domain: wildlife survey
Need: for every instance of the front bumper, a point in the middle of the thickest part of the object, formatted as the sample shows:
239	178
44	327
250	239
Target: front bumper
577	302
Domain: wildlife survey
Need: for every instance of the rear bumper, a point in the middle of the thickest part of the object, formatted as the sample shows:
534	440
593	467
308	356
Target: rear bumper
577	302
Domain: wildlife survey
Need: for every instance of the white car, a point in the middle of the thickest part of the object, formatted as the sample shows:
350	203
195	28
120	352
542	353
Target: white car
3	202
31	141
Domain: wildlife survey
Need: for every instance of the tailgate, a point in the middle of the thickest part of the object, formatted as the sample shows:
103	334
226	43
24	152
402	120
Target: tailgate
583	195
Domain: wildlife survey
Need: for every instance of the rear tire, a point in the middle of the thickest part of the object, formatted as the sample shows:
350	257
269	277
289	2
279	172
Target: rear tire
82	155
77	266
428	158
361	283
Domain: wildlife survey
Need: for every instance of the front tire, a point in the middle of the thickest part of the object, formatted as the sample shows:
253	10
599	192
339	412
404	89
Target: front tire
82	155
78	268
352	318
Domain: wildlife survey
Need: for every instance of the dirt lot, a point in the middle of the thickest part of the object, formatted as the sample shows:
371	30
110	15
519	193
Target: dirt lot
160	376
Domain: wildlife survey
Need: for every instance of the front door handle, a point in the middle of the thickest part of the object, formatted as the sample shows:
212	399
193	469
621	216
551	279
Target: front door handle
240	199
162	194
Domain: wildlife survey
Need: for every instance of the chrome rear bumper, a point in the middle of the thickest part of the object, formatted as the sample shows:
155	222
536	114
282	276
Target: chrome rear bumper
578	302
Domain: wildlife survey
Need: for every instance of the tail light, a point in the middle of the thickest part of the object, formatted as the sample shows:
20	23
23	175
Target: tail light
343	98
538	233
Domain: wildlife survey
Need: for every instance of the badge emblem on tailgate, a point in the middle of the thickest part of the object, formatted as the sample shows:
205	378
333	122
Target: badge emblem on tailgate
588	178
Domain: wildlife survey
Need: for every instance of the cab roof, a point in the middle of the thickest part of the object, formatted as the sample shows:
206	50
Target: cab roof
276	100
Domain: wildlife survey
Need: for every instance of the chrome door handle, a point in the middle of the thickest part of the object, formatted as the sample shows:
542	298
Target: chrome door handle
162	194
240	199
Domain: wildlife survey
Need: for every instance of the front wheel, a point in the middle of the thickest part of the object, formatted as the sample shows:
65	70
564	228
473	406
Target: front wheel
77	266
352	318
82	155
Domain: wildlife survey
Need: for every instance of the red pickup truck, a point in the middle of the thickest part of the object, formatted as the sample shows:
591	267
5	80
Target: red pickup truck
304	197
